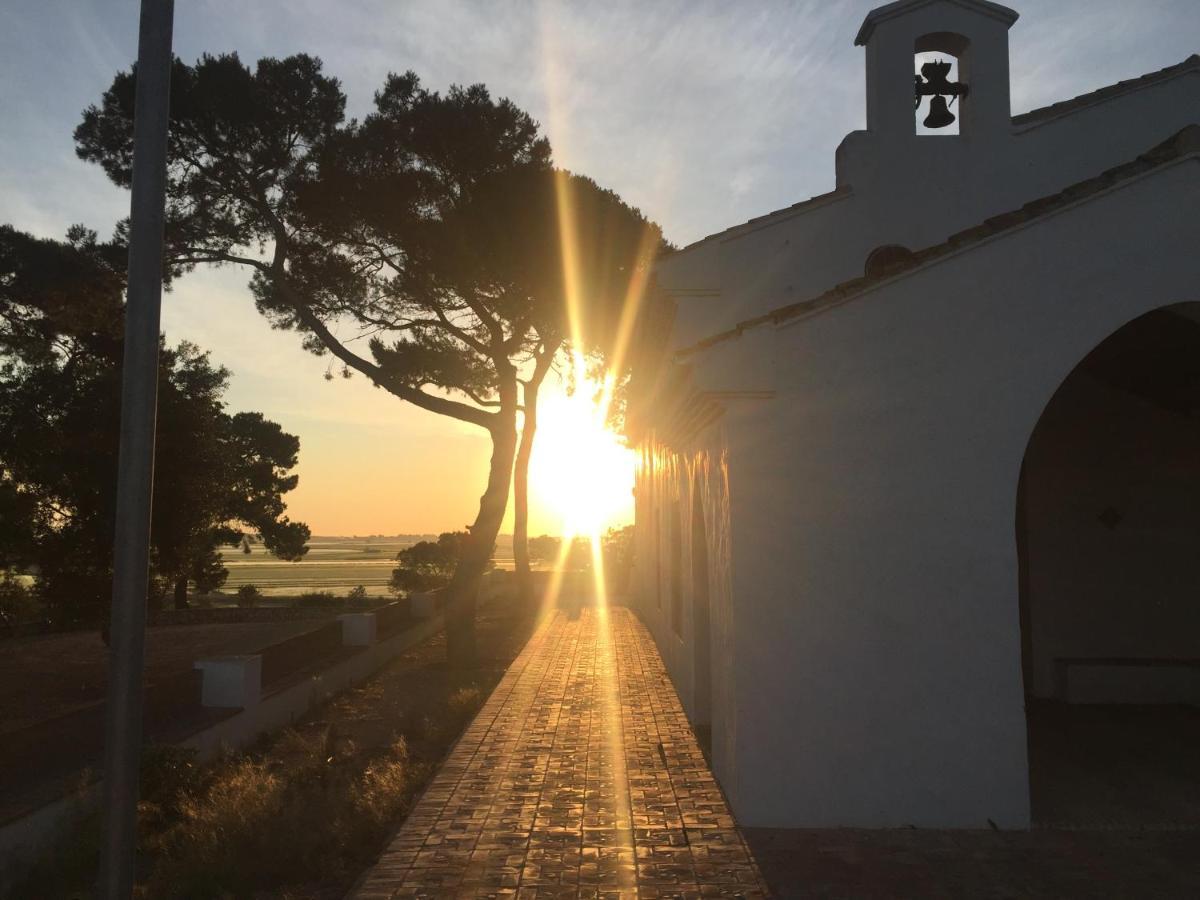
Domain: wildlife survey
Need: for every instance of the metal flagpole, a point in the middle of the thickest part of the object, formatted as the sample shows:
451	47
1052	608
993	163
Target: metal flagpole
135	470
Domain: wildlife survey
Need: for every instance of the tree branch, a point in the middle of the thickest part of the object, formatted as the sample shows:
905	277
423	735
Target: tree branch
541	366
440	405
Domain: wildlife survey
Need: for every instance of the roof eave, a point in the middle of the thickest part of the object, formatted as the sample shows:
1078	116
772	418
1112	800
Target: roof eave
891	10
1184	144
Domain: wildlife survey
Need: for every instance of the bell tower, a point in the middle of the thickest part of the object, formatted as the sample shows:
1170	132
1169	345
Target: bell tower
973	34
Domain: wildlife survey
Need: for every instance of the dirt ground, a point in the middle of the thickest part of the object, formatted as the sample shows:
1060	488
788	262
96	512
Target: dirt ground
49	675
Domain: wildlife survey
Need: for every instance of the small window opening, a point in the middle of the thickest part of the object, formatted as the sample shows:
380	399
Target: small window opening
886	259
941	72
932	111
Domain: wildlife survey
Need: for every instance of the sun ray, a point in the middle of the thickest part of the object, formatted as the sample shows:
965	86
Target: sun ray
610	695
630	308
554	586
589	465
570	258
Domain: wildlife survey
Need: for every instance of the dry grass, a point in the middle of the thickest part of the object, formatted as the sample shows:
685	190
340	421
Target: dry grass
464	699
377	796
305	811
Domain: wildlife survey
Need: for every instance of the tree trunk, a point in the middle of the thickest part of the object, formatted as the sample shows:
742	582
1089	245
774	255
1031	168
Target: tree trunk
477	553
521	495
181	598
521	472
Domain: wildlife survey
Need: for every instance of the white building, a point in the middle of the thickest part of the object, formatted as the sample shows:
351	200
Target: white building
928	445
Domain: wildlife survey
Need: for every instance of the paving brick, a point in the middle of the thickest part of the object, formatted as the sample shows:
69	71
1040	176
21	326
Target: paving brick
580	778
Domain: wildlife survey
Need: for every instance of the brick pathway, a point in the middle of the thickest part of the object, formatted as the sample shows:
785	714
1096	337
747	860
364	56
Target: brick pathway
579	778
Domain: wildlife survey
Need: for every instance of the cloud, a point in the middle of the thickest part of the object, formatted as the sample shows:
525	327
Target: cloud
703	114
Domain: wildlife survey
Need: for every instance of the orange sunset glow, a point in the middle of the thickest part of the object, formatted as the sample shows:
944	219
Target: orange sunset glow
581	476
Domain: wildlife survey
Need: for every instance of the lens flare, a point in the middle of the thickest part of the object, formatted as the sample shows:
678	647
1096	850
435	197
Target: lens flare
580	472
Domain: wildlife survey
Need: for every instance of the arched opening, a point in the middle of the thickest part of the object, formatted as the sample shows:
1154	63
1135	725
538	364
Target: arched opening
939	58
701	626
885	259
1108	541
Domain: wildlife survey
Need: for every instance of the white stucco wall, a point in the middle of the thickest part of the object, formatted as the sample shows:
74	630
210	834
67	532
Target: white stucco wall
665	476
872	508
897	187
871	614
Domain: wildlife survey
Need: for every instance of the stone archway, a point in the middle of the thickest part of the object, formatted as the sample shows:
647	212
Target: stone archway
1108	542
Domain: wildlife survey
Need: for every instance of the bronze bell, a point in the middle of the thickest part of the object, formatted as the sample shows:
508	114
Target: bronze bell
939	114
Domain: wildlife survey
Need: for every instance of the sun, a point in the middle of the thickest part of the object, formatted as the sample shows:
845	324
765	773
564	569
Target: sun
580	472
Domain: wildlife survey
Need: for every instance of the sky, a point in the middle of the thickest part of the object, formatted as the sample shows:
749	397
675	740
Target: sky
702	114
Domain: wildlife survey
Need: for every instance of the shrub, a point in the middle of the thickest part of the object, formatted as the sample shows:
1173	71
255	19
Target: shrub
464	700
358	596
248	595
259	824
224	835
461	705
169	775
381	792
544	548
427	565
317	600
167	771
18	604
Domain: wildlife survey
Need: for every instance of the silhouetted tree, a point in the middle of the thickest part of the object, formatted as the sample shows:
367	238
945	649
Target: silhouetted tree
356	231
544	548
221	474
618	548
428	564
59	418
574	258
56	294
579	555
53	296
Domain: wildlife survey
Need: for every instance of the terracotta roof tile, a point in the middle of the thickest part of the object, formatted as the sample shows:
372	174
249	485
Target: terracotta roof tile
751	224
1065	106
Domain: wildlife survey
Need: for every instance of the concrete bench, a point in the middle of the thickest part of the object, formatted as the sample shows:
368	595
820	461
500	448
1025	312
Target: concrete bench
236	681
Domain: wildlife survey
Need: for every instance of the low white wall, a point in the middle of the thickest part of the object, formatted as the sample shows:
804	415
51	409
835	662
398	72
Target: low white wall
285	706
230	681
23	838
359	629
